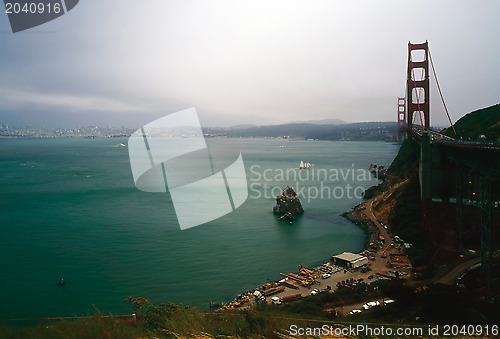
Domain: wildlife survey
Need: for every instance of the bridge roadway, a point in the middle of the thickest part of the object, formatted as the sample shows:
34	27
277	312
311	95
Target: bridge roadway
416	133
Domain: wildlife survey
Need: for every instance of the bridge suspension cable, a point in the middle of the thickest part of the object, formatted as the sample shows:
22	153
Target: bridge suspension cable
440	93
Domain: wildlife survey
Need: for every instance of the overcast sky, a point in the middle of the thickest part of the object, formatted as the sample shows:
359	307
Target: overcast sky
123	62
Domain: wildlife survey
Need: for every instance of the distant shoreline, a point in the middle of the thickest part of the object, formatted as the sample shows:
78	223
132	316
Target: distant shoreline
211	137
363	131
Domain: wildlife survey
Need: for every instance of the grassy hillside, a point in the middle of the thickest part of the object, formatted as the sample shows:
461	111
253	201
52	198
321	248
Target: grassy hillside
402	206
485	121
405	165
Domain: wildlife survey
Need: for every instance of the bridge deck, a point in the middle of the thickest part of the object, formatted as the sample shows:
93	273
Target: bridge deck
416	134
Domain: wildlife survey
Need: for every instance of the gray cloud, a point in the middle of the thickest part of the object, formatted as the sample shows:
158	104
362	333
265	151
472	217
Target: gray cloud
249	61
64	102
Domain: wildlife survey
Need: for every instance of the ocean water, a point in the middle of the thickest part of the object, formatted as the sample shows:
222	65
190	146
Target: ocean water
69	210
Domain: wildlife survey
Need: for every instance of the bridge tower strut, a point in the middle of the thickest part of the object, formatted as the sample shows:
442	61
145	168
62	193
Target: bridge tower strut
401	118
415	86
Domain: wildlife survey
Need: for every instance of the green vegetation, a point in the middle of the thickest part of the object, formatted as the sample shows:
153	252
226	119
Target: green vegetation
91	327
174	321
406	215
405	165
406	221
484	121
437	304
171	319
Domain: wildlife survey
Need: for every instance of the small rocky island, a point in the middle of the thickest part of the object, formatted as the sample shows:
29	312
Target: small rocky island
288	204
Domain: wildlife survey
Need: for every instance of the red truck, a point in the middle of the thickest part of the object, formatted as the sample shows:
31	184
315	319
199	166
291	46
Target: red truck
291	297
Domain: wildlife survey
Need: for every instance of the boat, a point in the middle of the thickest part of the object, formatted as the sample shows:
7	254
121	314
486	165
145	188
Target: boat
304	165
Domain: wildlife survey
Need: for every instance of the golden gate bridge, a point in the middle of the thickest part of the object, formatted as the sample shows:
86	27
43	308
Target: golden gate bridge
466	173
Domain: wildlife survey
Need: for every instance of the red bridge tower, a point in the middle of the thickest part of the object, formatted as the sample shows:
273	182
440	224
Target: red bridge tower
415	87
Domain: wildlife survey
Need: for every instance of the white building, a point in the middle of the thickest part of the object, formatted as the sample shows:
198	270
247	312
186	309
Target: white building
350	260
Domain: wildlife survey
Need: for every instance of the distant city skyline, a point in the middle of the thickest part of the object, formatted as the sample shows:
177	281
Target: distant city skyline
121	63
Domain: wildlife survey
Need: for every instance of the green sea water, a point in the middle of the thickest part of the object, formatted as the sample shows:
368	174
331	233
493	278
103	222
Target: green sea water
69	210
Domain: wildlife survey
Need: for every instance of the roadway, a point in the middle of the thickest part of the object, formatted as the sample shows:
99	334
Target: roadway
451	277
451	142
369	208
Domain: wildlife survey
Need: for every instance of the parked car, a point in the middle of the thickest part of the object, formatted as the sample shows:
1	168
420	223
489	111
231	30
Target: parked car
371	304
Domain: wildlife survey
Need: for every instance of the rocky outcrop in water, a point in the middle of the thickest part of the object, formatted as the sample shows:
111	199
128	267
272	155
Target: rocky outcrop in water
288	204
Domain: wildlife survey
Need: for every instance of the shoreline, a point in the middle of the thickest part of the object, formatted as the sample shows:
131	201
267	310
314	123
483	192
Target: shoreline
372	232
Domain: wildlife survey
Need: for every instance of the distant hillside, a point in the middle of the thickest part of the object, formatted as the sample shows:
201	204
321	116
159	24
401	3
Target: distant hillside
321	122
364	131
484	121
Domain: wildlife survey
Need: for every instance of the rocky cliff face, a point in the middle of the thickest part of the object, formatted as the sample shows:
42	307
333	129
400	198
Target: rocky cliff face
288	204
